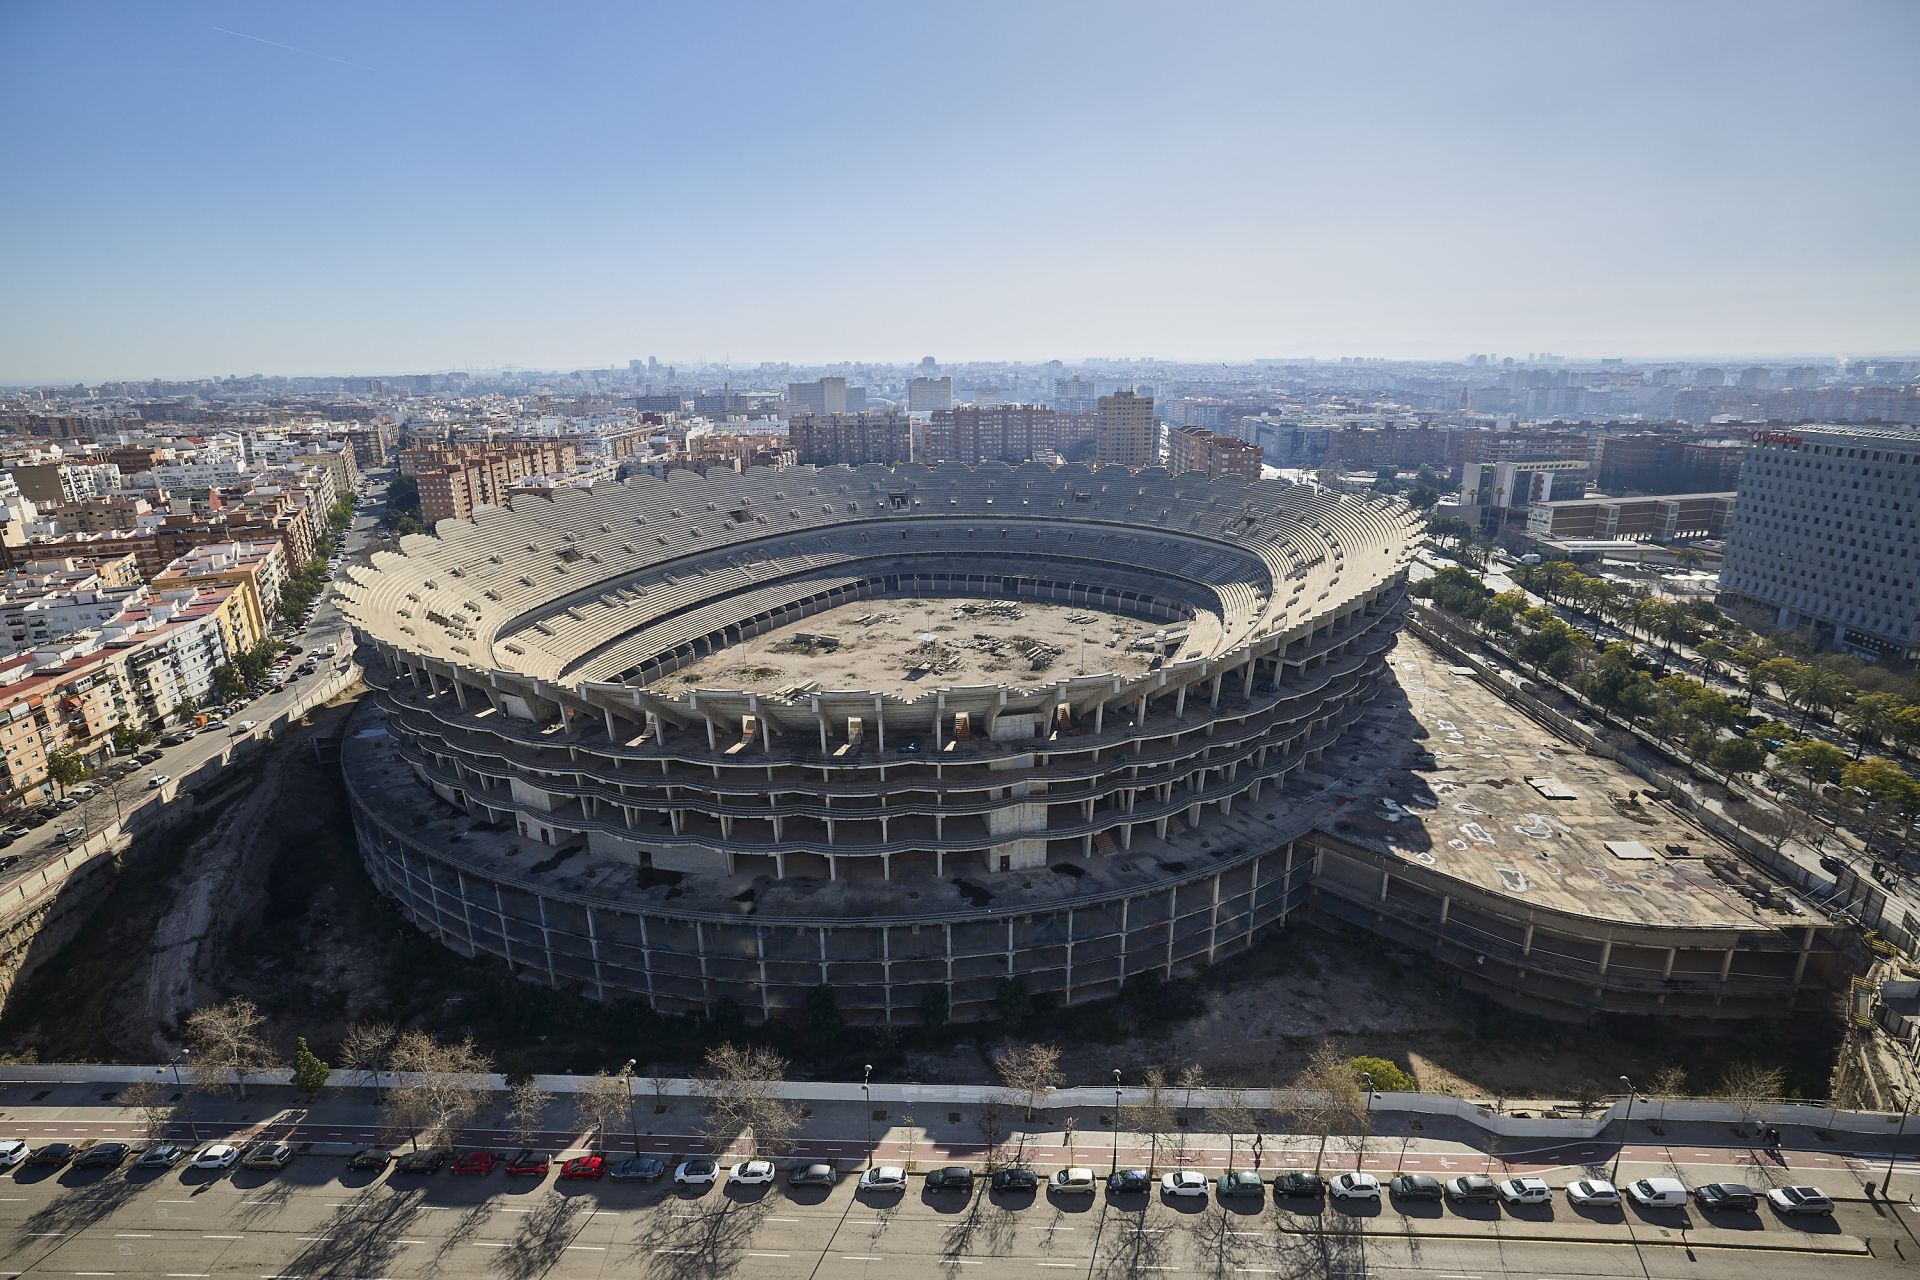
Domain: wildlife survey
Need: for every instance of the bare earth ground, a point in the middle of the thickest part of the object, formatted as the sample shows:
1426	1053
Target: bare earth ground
910	645
293	923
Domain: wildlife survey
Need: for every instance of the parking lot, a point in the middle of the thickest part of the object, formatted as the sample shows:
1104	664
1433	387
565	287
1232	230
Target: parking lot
318	1218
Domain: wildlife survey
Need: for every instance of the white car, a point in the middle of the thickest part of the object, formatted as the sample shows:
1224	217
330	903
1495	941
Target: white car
245	726
158	781
750	1173
695	1173
1525	1191
1184	1182
1593	1191
1658	1193
886	1177
1073	1181
218	1155
1355	1186
1796	1201
12	1152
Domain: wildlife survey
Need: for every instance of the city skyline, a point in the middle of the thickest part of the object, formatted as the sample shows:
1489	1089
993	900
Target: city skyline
218	189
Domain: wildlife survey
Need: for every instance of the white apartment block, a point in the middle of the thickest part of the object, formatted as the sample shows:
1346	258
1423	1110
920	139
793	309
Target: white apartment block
1826	534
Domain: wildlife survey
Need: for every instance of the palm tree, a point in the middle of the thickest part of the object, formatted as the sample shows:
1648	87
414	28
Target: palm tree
1715	655
1816	686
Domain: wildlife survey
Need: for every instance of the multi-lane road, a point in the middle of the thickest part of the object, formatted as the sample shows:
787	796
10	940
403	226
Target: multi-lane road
316	1219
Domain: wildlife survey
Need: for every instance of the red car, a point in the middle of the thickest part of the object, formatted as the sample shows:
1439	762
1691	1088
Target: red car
584	1167
475	1162
529	1162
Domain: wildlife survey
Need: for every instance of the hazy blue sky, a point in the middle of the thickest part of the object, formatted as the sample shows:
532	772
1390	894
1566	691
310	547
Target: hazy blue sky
407	185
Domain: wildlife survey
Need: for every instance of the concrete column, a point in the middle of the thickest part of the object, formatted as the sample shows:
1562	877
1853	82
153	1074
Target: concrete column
1526	943
713	737
1386	883
1672	952
1218	678
1606	954
1099	717
1180	702
1806	953
1726	964
880	735
1446	906
611	735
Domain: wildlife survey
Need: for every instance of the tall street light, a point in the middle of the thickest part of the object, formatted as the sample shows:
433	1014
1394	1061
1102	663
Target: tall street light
1906	1109
1613	1174
186	1104
633	1131
1366	1123
1116	1121
866	1096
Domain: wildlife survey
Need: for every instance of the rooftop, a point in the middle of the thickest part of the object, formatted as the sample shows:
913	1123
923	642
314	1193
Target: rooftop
1516	811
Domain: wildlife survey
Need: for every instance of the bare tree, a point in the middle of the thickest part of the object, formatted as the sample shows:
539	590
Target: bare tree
991	1120
1030	1070
744	1097
1325	1099
153	1108
1150	1113
1669	1081
1231	1113
1752	1087
526	1112
366	1050
436	1088
226	1045
659	1083
602	1105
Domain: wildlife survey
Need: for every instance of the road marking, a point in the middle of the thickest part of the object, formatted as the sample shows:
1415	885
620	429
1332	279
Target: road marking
1074	1265
176	1202
46	1233
189	1275
93	1273
874	1257
133	1235
961	1262
409	1241
752	1254
660	1251
223	1237
486	1244
600	1248
782	1219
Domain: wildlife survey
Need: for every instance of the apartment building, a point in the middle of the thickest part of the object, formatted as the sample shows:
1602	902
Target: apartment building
851	438
1002	433
1826	535
1126	432
929	395
1198	449
462	477
258	569
1655	518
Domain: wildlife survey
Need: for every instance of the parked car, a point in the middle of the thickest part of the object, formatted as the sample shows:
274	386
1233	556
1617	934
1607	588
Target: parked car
71	834
1354	1186
1725	1195
589	1166
817	1174
1525	1191
9	862
1073	1181
53	1155
245	726
269	1155
1800	1201
216	1155
19	833
1416	1186
1475	1188
751	1173
474	1162
954	1177
13	1151
638	1169
1658	1193
369	1158
158	781
161	1155
425	1160
528	1163
1129	1181
1300	1183
1184	1182
1240	1183
1015	1178
695	1173
882	1178
1593	1191
102	1155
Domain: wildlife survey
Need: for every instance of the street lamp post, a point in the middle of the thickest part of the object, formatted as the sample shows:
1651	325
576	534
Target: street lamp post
866	1097
1626	1122
1366	1123
633	1130
1886	1186
186	1105
1116	1121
